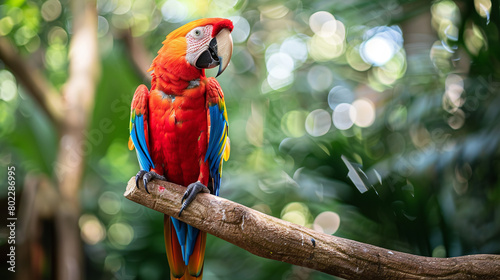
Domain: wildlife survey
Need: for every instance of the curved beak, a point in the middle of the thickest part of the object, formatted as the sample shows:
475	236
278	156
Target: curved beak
218	53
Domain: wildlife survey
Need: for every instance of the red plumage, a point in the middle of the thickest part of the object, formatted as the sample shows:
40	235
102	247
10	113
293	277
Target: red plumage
177	130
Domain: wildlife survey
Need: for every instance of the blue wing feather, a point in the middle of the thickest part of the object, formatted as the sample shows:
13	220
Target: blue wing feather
216	143
139	139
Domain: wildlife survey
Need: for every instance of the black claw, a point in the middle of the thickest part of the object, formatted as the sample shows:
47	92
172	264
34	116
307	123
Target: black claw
139	175
190	194
145	182
146	178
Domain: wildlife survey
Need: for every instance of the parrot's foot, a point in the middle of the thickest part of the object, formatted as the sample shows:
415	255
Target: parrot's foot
147	177
190	194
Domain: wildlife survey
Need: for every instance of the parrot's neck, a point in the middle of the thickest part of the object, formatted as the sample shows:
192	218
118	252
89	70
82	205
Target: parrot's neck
173	74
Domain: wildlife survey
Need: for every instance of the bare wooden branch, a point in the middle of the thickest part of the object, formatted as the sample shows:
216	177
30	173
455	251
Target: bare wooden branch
276	239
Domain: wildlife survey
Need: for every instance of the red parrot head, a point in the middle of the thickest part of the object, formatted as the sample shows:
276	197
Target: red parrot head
200	44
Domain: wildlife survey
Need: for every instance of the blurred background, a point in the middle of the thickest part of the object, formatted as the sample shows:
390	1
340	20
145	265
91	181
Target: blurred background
376	121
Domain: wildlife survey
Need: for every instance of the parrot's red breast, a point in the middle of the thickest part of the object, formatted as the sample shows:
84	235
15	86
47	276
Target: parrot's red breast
178	129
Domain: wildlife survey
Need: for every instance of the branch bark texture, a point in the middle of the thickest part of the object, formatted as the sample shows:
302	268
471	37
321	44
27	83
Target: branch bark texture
272	238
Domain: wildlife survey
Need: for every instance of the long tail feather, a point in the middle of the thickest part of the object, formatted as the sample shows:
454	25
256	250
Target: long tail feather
173	249
187	265
196	261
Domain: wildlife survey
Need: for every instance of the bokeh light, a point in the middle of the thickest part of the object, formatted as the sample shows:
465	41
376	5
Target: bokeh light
8	86
57	35
297	213
381	44
327	222
102	26
328	41
293	122
483	8
362	112
174	11
338	95
323	23
51	10
241	29
318	122
452	98
280	65
343	116
120	234
296	48
273	11
109	202
91	229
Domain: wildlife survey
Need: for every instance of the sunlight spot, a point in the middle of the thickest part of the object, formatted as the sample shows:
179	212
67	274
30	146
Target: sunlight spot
102	26
483	8
274	11
174	11
355	60
296	48
122	7
109	202
51	10
318	122
241	29
457	120
439	252
342	116
57	35
6	25
323	23
280	65
338	95
363	113
23	35
327	222
292	123
382	44
296	212
91	229
114	262
8	89
120	234
454	88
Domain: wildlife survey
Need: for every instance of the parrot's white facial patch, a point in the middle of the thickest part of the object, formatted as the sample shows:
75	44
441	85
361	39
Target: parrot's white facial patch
197	42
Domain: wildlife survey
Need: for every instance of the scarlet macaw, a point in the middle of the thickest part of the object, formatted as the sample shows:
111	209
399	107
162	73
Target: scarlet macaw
179	129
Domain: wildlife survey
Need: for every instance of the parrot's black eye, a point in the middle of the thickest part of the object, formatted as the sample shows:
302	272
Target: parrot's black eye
197	33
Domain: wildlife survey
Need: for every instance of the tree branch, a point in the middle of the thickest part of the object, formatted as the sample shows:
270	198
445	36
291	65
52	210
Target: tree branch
276	239
139	55
35	83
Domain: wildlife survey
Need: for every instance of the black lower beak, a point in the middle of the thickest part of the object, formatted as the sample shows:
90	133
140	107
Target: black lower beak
209	58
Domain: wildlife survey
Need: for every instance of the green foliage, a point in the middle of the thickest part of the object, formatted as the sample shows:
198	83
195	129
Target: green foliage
406	91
